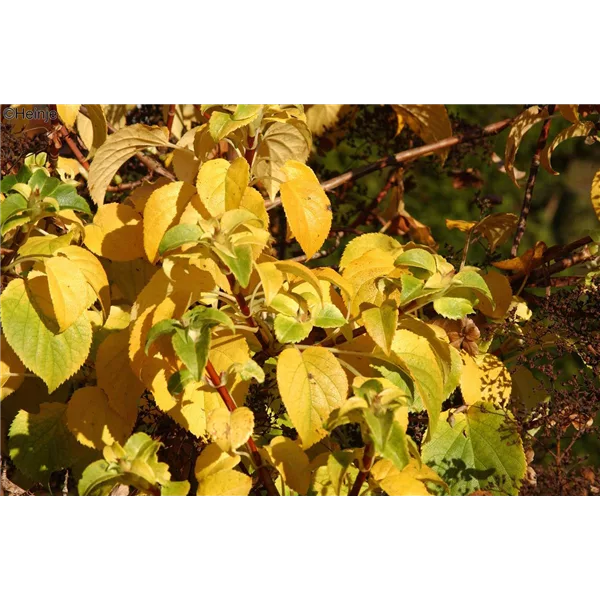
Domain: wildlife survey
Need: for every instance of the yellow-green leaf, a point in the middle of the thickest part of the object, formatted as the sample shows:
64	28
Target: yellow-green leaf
311	383
52	356
12	369
381	322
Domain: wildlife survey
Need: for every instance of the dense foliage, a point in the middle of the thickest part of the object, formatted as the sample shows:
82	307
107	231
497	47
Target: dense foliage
239	299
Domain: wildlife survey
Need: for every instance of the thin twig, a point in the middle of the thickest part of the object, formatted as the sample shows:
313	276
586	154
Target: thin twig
231	405
407	156
533	171
368	456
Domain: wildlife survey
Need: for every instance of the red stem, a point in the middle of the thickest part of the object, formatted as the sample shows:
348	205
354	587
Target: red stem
231	405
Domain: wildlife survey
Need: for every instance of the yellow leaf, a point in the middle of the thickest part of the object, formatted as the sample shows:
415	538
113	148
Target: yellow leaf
92	128
230	430
363	274
114	374
595	194
521	125
408	482
298	270
525	263
291	462
236	182
463	226
185	165
380	323
367	242
579	129
569	112
93	422
68	168
68	113
118	148
429	121
92	270
225	483
11	369
306	206
501	291
211	185
116	233
271	278
322	116
141	194
69	290
255	203
163	209
311	384
212	460
484	378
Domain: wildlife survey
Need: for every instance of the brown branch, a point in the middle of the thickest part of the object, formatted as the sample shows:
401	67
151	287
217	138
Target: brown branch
122	187
407	156
62	134
368	456
533	171
231	405
171	117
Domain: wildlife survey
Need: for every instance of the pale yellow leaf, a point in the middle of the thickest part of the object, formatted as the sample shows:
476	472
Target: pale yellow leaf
69	290
116	233
312	383
236	182
163	209
306	206
230	430
290	140
118	148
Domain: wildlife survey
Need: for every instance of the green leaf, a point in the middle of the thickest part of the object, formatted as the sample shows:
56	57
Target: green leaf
241	265
68	199
251	370
388	437
192	347
288	330
185	233
202	316
13	204
7	183
38	179
50	186
472	280
330	316
178	381
477	449
98	479
53	357
41	443
24	174
161	328
417	257
411	288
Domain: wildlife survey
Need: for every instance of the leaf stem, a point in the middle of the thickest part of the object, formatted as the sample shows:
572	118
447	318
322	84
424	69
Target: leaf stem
368	456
